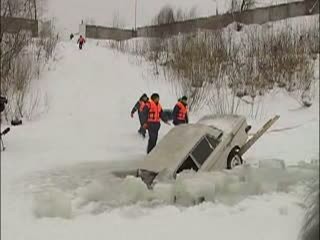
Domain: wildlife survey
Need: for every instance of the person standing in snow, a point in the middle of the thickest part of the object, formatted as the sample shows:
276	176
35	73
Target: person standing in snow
180	112
139	106
152	114
81	41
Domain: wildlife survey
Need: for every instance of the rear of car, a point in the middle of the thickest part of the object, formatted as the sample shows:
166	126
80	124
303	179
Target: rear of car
235	135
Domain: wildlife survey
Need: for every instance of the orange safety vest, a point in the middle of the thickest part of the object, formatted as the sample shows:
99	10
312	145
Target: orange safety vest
154	112
183	110
141	105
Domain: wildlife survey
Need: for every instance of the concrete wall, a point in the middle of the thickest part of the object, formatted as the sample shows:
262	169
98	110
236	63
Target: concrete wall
254	16
99	32
14	25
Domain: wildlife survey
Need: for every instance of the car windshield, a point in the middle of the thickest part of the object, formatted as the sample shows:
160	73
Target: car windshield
217	132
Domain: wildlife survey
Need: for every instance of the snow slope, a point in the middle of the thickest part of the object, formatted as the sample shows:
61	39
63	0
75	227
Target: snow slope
55	181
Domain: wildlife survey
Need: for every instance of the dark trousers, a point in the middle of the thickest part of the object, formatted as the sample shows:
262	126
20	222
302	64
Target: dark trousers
80	45
153	129
141	130
178	122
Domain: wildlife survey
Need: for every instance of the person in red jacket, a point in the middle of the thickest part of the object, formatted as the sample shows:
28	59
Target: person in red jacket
180	112
152	114
81	41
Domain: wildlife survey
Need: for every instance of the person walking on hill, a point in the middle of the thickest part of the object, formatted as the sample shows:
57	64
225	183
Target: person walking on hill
81	41
138	107
152	114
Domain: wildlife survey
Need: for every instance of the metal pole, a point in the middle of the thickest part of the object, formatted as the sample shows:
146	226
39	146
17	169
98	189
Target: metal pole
35	9
135	15
2	144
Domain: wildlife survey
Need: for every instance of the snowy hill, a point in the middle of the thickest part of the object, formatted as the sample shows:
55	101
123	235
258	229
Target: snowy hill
57	166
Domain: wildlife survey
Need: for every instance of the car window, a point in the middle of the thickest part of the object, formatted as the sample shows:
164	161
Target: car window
217	132
188	164
202	151
213	141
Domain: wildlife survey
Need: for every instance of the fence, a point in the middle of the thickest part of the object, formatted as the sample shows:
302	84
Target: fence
254	16
15	25
99	32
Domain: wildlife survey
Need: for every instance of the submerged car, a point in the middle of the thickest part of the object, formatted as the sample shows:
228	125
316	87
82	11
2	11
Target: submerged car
213	143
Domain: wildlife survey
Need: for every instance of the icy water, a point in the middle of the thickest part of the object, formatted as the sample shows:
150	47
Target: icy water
92	188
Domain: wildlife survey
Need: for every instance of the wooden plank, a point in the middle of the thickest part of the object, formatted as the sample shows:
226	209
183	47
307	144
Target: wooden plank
258	134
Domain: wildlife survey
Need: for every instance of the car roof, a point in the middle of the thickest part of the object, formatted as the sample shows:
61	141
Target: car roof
175	146
227	123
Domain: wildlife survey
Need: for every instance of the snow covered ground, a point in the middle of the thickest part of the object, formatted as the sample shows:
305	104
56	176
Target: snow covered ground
68	14
55	171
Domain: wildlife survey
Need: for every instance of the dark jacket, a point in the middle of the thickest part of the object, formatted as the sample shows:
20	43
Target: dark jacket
135	107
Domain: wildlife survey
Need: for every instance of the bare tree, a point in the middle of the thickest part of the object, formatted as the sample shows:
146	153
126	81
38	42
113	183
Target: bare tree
12	44
247	4
48	39
20	55
19	8
241	5
310	227
213	69
165	16
168	15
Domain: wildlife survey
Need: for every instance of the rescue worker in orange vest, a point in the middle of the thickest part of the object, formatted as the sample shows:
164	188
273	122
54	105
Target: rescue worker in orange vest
180	112
152	114
138	107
